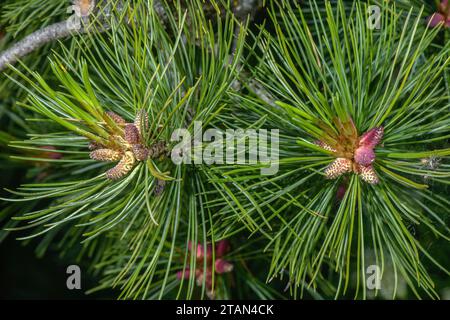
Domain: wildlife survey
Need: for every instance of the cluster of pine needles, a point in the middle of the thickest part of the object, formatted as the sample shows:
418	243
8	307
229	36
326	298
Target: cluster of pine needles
361	103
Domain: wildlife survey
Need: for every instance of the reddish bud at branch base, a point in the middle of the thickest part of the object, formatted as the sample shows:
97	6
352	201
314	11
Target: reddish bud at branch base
342	189
49	154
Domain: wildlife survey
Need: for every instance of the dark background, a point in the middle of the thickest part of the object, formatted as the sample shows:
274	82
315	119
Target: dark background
24	276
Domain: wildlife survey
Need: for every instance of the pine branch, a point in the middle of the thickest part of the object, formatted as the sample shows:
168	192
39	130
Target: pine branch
64	29
245	11
58	31
36	40
246	8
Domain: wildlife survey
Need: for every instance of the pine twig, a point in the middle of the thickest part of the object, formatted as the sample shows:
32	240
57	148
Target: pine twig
36	40
243	10
64	29
56	31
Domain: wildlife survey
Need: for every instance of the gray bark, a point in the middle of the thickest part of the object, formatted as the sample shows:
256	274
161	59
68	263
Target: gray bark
36	40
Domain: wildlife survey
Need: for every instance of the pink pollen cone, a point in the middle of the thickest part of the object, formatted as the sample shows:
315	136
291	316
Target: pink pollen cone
223	266
364	156
435	19
441	16
372	137
222	247
200	275
183	274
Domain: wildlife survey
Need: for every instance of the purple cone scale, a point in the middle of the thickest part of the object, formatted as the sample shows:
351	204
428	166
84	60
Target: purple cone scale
372	137
364	156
